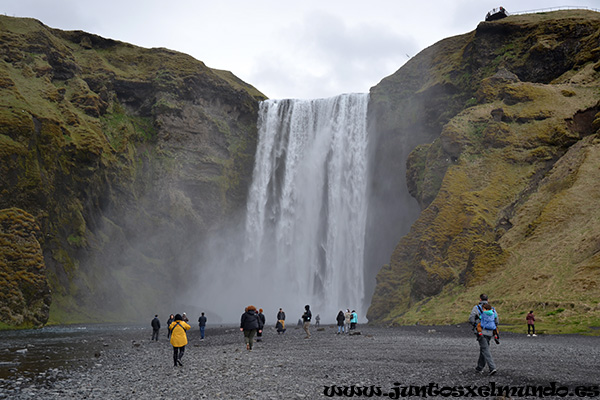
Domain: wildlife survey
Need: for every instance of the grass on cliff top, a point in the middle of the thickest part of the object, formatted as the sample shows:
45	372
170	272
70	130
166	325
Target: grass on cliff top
544	16
239	84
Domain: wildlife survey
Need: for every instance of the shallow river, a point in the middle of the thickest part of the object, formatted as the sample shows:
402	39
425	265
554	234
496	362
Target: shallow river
27	353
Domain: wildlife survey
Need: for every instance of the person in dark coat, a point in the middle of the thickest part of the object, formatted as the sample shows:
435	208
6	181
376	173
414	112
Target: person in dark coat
155	328
341	318
281	315
250	324
262	318
169	321
202	323
306	318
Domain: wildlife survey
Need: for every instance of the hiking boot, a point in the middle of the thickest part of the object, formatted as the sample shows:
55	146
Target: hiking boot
493	372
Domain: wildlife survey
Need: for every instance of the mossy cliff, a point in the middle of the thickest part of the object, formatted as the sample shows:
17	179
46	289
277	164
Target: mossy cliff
502	124
115	160
24	292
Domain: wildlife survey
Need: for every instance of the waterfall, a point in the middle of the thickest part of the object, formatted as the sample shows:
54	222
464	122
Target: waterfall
306	211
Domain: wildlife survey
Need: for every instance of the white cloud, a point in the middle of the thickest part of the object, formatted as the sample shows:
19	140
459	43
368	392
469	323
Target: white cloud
326	56
306	49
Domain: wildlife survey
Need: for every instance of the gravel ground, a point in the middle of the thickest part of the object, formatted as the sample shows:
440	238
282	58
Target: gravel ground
127	365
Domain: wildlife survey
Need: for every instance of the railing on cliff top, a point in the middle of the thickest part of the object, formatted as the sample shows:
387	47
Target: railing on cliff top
559	8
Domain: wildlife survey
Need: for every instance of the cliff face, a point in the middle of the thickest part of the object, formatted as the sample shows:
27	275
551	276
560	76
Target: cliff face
24	292
503	127
123	157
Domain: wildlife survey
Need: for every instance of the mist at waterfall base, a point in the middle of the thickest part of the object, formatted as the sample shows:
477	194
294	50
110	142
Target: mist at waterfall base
303	237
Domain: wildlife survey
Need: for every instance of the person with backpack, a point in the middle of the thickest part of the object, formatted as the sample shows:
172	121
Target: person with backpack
486	319
489	322
178	339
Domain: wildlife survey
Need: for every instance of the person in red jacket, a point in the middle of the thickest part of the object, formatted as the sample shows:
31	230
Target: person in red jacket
530	324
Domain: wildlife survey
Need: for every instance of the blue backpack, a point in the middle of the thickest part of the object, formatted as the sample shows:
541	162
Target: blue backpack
488	321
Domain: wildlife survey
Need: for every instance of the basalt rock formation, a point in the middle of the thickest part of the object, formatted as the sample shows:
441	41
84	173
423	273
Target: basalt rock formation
502	128
115	161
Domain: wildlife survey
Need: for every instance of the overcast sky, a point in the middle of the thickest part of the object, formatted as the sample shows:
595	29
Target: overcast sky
286	49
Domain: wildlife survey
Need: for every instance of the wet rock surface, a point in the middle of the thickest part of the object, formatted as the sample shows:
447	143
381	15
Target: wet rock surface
123	364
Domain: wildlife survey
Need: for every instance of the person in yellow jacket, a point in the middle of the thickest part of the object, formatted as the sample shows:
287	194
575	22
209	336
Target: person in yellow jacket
178	338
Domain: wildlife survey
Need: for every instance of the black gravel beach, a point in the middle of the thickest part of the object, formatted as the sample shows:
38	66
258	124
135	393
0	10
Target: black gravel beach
122	363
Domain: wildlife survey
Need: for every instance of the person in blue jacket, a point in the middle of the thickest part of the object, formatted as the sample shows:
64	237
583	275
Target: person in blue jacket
353	319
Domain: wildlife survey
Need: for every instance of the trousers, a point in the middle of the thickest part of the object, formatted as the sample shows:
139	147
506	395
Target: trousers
178	353
485	356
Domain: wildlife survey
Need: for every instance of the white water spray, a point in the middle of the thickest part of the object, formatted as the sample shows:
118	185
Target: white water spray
306	214
304	235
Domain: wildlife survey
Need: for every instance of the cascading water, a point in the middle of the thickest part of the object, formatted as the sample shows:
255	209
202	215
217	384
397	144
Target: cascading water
306	212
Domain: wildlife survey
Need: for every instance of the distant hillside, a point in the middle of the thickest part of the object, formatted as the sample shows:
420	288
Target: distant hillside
502	124
115	161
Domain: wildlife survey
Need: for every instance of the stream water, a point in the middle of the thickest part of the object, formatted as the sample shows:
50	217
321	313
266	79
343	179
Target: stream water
29	353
